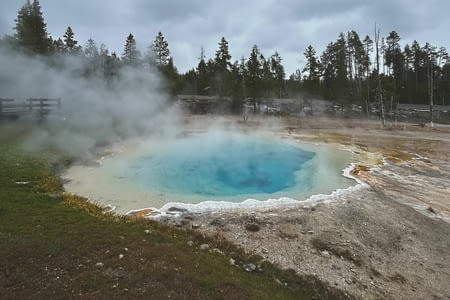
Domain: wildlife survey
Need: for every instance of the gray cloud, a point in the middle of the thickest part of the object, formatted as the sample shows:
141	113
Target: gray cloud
285	26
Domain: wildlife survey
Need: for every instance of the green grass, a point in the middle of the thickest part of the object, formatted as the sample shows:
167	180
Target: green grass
50	248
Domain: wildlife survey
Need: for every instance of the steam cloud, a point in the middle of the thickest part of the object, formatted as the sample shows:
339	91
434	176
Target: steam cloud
92	110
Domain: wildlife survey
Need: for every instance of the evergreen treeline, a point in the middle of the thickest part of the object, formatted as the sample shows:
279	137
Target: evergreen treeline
346	72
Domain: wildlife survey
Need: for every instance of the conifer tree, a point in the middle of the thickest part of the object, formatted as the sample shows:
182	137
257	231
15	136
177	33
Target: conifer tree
223	56
202	75
31	29
70	44
91	49
131	55
160	51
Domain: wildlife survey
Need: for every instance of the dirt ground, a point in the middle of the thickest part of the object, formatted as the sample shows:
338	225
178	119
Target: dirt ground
389	239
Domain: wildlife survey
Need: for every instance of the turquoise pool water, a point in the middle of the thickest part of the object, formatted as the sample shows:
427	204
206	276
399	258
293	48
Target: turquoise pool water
212	169
231	166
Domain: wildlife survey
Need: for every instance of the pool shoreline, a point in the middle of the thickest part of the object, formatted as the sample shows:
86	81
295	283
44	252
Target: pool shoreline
76	176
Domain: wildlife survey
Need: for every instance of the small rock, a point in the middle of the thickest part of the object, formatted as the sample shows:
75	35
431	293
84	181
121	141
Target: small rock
310	232
126	249
249	267
232	261
252	227
325	253
204	247
188	216
348	281
120	256
177	209
185	222
196	225
190	243
22	182
217	222
218	251
264	250
99	265
147	231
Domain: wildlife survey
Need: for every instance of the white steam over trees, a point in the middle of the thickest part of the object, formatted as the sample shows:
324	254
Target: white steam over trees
345	73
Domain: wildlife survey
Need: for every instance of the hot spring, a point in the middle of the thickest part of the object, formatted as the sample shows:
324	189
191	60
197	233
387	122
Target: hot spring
214	168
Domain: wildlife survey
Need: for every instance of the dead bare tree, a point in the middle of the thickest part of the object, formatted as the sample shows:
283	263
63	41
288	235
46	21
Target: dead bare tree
431	60
379	89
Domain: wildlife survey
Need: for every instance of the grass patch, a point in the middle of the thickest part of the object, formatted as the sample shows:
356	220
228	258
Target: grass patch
57	245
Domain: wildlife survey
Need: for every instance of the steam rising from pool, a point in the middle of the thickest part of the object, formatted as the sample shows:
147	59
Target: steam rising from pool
211	170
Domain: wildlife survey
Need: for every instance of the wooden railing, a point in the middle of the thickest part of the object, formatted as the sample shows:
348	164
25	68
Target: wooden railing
39	106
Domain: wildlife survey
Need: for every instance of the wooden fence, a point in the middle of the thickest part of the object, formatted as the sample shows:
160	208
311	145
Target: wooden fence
31	106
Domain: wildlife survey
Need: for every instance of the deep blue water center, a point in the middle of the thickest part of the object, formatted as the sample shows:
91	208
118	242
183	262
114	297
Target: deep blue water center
222	166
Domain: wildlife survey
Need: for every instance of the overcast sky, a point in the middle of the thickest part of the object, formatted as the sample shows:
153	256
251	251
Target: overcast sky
286	26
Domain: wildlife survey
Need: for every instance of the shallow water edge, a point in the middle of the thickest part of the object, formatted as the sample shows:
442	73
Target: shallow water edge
95	183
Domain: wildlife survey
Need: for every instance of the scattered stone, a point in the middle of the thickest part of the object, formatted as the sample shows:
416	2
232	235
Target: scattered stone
218	251
310	232
217	222
252	227
126	249
147	231
196	225
176	209
120	256
397	277
264	250
249	267
313	208
204	247
232	261
108	208
22	182
185	222
431	210
99	265
190	243
288	231
188	216
325	253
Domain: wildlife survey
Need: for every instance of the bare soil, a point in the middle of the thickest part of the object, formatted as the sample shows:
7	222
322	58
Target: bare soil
390	239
